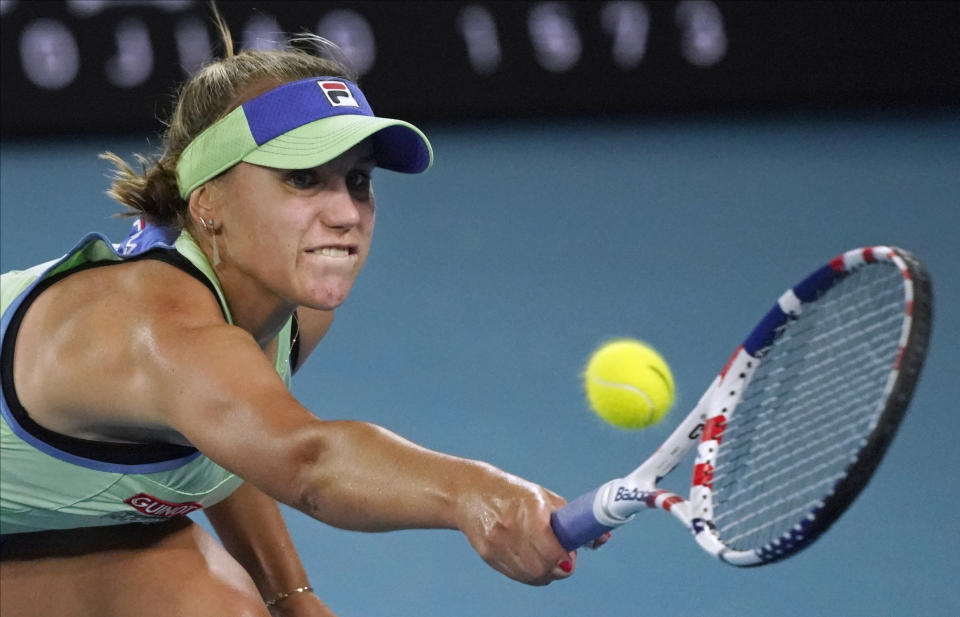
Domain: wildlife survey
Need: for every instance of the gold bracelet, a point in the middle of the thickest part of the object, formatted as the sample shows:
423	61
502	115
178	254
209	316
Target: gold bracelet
287	594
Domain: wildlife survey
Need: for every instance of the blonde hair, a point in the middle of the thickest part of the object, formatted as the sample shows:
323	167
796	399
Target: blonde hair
210	94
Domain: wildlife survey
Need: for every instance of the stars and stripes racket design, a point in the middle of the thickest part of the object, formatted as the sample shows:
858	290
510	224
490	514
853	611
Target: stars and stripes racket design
795	424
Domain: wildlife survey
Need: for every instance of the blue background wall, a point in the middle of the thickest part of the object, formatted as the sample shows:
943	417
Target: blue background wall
494	276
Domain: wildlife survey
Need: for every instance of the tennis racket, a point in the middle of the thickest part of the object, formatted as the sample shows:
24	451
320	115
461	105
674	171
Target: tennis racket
795	424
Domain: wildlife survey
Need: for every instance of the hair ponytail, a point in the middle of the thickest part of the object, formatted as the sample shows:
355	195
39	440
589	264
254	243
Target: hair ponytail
151	193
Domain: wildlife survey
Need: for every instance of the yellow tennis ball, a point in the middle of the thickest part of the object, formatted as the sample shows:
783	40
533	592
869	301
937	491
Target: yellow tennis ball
629	384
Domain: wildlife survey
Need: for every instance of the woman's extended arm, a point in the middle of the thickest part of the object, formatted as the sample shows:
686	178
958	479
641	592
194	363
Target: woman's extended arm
210	385
354	475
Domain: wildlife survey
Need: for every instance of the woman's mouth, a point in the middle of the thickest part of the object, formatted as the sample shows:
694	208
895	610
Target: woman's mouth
333	251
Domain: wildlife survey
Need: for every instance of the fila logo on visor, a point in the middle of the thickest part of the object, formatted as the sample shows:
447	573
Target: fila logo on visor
338	94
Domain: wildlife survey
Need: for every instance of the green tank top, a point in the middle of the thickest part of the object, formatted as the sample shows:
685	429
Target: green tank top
51	481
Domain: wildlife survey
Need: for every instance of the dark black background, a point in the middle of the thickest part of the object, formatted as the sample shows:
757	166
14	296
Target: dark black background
780	56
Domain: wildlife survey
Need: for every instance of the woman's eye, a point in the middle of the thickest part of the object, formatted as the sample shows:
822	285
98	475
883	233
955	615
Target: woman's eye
358	180
302	178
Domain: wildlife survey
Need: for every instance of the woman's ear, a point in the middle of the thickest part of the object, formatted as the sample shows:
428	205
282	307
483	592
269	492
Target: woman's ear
201	205
202	209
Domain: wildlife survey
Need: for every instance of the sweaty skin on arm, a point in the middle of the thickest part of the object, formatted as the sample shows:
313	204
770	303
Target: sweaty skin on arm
200	381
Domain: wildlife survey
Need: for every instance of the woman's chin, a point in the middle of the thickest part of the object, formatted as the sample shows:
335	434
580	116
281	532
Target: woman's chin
326	299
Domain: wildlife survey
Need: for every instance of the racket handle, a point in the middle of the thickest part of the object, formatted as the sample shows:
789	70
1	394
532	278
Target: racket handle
575	525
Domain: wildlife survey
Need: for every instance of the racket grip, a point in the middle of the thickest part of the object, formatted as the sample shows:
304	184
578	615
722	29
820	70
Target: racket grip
575	525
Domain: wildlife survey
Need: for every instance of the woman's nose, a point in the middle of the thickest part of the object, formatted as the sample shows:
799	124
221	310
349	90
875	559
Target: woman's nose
340	210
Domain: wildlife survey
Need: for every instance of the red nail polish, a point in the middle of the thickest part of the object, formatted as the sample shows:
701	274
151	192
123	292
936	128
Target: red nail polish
566	566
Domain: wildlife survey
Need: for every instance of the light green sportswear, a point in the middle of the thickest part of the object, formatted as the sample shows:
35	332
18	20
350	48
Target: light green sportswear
51	481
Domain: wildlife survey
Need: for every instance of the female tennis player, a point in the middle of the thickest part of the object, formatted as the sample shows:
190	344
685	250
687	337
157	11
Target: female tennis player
147	380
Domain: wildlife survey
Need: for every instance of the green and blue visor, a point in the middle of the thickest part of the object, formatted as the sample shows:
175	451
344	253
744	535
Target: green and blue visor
299	125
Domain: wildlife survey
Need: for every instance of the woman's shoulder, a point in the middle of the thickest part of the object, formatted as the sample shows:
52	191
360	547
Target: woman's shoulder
101	330
137	289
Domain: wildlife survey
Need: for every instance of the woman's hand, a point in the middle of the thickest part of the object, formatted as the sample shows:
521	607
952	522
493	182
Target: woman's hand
507	521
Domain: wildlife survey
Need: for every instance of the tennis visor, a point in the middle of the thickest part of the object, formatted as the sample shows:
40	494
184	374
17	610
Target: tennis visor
300	125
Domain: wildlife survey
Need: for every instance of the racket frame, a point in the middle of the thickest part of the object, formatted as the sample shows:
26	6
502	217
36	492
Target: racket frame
619	500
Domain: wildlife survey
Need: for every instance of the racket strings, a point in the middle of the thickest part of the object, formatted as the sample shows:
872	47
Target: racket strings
774	435
773	468
798	481
791	514
808	410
